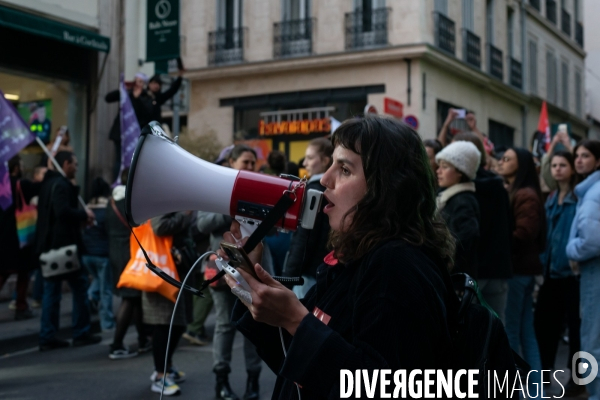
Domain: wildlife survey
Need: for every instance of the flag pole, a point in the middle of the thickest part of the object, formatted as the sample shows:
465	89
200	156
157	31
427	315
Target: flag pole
58	168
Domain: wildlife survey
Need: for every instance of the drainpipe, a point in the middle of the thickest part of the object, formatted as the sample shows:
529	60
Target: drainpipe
524	69
408	87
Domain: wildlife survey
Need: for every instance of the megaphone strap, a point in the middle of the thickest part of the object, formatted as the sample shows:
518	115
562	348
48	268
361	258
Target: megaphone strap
283	204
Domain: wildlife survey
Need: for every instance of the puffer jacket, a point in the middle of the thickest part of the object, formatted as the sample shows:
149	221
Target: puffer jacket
584	241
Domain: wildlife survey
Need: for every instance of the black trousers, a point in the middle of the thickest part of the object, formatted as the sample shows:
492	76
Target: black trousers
558	301
159	345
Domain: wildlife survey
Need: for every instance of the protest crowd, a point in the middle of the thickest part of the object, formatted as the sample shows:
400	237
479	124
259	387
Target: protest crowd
524	223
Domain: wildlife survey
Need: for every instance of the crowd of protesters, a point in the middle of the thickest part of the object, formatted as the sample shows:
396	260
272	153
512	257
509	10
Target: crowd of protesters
535	254
538	252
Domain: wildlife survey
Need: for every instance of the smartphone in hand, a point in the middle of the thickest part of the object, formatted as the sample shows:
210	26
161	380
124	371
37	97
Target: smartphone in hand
238	258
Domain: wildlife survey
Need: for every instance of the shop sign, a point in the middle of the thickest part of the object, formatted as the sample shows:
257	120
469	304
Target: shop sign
393	107
162	30
301	127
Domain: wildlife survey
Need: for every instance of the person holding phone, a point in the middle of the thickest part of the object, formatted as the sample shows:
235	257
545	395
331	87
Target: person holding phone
380	300
241	157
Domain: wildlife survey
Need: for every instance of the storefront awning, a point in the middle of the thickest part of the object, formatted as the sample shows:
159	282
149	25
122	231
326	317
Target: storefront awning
33	24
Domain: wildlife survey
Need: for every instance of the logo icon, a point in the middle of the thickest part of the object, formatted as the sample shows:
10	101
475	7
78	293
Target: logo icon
162	9
588	363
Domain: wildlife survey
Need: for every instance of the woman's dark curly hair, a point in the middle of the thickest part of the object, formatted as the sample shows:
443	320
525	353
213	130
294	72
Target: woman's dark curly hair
401	201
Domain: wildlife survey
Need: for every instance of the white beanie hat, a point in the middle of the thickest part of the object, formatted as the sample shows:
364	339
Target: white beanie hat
463	155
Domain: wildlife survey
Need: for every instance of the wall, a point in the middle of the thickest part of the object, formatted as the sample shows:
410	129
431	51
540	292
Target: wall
83	13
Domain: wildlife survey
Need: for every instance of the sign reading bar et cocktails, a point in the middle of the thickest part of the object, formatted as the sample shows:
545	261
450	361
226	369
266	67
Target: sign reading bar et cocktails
302	127
162	30
295	122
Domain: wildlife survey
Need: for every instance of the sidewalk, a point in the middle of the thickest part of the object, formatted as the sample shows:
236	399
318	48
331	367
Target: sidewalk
20	335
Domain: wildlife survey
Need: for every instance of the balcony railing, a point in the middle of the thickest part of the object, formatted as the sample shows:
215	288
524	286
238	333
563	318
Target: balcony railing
579	33
516	73
565	22
366	29
292	38
535	4
471	48
551	11
495	62
226	46
445	33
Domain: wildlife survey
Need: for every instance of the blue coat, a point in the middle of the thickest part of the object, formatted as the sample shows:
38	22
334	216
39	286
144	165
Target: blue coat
559	219
584	240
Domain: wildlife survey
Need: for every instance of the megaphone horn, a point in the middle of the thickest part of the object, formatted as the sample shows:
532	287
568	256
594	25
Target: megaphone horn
165	178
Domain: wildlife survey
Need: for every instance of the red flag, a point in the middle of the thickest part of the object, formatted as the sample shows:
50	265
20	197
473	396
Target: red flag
544	125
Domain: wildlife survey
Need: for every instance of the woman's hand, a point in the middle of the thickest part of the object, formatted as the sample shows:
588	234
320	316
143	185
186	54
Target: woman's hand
271	302
235	236
574	266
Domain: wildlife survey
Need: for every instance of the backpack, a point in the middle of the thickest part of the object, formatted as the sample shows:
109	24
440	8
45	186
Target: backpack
480	342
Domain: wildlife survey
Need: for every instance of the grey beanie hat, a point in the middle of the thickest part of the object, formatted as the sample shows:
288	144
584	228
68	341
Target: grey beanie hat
463	155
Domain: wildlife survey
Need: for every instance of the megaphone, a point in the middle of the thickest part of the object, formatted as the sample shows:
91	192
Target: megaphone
165	178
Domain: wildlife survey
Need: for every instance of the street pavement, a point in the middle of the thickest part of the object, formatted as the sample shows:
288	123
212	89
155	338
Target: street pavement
87	372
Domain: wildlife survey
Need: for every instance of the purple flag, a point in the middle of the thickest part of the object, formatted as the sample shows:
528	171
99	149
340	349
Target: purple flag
14	133
130	129
5	190
14	136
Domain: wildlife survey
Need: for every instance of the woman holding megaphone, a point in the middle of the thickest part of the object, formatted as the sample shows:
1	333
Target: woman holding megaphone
380	297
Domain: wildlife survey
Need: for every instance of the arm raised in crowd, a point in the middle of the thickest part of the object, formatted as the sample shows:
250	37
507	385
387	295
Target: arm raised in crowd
161	98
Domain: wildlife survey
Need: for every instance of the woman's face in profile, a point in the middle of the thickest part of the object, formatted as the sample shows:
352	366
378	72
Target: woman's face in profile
345	185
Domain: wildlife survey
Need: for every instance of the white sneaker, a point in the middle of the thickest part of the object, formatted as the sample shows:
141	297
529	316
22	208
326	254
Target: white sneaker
170	387
172	373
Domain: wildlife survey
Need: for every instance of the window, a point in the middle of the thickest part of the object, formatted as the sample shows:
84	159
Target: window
441	6
533	61
294	10
565	85
468	15
490	21
578	108
510	34
500	134
551	78
229	14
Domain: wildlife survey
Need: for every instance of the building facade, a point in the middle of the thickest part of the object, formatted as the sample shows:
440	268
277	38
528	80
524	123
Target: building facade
269	71
56	56
592	67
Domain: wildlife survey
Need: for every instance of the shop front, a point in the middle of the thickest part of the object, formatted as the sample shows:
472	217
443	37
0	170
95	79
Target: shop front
288	121
47	69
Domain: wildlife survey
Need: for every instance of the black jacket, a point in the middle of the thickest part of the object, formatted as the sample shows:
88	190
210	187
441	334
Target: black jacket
118	238
161	98
13	257
59	216
461	214
387	310
494	249
142	106
309	246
